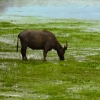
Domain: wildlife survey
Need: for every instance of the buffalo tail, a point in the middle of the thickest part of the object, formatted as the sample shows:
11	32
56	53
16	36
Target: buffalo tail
17	43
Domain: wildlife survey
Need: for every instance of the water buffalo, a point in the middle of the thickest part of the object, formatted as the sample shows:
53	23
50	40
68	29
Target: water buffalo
36	39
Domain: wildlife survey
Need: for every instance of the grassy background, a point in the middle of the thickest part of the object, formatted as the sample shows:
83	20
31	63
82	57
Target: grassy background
76	78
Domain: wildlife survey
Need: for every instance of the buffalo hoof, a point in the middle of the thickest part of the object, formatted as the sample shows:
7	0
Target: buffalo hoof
25	59
44	60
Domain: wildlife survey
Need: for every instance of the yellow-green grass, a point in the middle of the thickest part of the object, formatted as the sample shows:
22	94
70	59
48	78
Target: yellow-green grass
76	78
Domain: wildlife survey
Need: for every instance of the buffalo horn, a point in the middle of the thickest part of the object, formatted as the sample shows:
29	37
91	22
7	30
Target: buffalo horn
65	46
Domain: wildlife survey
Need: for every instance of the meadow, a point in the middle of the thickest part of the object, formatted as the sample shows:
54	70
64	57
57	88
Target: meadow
75	78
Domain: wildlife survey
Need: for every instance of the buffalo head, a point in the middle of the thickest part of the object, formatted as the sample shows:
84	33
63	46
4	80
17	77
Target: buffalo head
61	51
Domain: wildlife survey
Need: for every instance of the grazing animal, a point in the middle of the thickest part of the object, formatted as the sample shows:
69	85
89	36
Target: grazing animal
44	40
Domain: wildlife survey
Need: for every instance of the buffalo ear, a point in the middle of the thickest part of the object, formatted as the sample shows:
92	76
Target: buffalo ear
65	47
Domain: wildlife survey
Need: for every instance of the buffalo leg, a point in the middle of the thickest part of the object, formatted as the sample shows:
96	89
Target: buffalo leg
23	51
45	54
45	51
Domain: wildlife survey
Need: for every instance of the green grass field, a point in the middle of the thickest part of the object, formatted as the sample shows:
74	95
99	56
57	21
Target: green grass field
76	78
